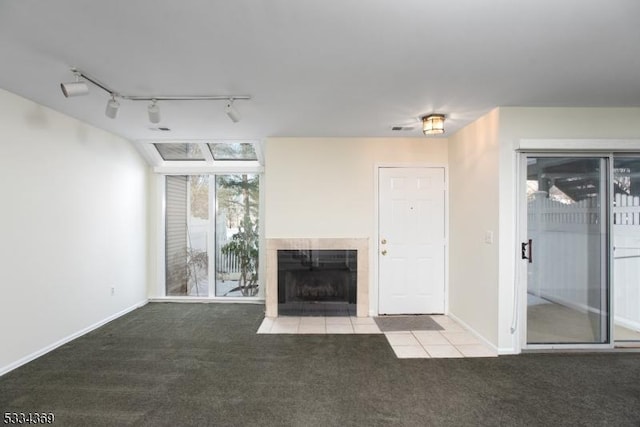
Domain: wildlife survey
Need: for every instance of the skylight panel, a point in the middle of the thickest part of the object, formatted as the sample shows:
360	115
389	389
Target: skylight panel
233	151
179	151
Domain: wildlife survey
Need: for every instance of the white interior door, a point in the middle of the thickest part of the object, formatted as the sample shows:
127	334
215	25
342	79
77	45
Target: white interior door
411	248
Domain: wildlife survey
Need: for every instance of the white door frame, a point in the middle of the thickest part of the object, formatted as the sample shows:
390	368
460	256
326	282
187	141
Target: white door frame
374	247
158	288
556	146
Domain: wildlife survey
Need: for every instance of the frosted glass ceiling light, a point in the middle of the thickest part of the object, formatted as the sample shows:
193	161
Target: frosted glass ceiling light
231	111
77	88
154	112
112	108
433	124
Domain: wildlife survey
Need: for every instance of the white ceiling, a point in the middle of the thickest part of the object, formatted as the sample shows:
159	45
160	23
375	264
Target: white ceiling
320	68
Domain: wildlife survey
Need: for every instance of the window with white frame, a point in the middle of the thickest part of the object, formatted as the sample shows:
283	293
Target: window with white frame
211	213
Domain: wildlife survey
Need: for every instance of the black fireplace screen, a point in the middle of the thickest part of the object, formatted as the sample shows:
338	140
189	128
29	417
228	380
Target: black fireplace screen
317	282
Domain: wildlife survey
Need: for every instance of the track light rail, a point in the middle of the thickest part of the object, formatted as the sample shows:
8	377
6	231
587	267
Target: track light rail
116	94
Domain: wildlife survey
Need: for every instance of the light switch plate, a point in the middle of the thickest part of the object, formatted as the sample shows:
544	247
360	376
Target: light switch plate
488	237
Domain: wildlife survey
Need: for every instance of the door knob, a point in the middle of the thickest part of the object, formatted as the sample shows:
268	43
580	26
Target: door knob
384	241
384	252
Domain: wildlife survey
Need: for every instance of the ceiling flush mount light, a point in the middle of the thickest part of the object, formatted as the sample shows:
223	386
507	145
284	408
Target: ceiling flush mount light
77	88
154	112
112	108
231	111
433	124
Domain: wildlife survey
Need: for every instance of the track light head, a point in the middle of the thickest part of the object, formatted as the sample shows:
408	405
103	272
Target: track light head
77	88
154	112
231	111
112	108
74	89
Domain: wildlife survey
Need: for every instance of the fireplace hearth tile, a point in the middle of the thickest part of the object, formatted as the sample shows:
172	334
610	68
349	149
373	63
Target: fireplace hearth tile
312	321
338	320
288	319
366	329
312	329
338	328
284	329
288	326
266	325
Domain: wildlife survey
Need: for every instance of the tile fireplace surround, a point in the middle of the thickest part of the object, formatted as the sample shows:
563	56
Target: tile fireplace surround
360	245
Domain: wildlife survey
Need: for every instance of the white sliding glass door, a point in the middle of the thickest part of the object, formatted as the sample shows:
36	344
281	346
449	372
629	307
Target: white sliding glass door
566	251
626	250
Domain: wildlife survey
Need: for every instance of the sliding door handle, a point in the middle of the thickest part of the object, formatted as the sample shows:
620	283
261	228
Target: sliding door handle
526	250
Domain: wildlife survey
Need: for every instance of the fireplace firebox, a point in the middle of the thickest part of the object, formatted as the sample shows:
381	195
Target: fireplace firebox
317	282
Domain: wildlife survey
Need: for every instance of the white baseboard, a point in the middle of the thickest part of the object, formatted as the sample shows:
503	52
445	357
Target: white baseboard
47	349
477	334
507	350
206	300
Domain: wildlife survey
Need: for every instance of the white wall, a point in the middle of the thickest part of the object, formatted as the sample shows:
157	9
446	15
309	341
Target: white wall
473	201
73	225
571	123
518	123
325	187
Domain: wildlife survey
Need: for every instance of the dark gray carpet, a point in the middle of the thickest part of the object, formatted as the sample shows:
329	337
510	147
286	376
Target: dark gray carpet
407	323
203	365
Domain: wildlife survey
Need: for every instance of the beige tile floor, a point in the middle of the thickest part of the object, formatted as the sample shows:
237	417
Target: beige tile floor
452	341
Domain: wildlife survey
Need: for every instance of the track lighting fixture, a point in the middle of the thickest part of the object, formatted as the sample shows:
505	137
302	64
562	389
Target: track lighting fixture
154	112
231	111
80	87
112	108
77	88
